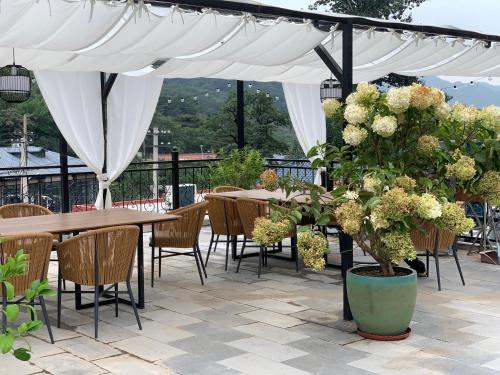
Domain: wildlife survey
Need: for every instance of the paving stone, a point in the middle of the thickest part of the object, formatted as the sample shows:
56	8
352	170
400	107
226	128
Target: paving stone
170	318
148	349
160	332
323	366
252	364
41	348
215	332
87	348
67	364
179	305
272	333
9	365
327	350
319	317
322	332
220	317
272	318
191	364
58	333
276	306
107	332
207	348
268	349
127	365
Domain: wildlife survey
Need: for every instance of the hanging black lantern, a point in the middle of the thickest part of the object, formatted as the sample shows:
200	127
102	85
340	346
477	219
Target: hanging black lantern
330	89
15	83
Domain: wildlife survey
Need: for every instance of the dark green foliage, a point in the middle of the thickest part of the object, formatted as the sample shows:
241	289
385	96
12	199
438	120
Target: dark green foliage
240	168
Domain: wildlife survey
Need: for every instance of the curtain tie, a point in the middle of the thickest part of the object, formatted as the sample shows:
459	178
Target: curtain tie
104	181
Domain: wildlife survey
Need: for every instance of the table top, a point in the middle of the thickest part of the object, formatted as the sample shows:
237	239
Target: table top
80	221
262	194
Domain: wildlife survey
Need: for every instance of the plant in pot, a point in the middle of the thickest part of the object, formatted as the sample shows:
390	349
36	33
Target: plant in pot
385	191
238	167
11	334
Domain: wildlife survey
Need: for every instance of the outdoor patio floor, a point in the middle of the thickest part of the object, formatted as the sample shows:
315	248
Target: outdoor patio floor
283	323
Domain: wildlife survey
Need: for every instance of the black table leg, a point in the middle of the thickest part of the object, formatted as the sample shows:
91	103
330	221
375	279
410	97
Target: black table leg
140	268
346	254
234	245
78	297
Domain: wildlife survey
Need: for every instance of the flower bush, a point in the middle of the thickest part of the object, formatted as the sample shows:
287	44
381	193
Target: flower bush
267	232
312	248
269	179
406	154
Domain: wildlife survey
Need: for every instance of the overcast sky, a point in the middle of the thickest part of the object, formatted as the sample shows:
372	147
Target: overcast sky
478	15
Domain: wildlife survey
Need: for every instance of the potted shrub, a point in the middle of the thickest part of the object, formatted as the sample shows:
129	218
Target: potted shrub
11	268
239	167
393	179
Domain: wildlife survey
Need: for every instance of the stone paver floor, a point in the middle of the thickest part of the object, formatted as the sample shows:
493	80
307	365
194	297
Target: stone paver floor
283	323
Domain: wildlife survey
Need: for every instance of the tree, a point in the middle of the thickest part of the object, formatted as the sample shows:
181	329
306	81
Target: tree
394	9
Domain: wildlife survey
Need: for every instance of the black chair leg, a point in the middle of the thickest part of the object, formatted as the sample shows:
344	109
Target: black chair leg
201	261
195	253
227	253
241	255
159	262
116	300
427	261
216	242
436	258
458	266
261	253
132	302
59	297
210	249
96	311
152	266
46	318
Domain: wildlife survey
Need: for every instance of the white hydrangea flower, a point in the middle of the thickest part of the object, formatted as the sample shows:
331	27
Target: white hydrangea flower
378	222
399	99
428	207
351	195
443	111
464	114
385	126
355	114
371	183
354	135
367	92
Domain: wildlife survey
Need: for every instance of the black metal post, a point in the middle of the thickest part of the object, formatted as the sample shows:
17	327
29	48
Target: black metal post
175	179
240	114
345	241
63	163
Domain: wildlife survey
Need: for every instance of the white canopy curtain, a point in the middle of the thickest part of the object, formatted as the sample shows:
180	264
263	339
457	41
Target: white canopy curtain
74	100
308	119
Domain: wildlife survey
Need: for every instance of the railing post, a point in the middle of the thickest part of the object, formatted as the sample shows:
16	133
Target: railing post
63	162
175	179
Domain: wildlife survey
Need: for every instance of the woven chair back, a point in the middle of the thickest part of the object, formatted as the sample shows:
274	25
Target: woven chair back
425	239
113	248
223	215
183	232
22	210
249	210
227	189
38	247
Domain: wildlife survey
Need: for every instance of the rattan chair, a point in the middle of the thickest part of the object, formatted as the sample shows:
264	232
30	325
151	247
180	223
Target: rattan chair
249	210
214	239
225	221
98	258
425	240
37	246
9	211
182	233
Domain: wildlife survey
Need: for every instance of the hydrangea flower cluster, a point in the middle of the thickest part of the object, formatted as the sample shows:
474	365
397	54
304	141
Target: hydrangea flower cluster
371	184
399	99
491	117
385	126
355	114
428	207
405	182
464	114
489	187
354	135
350	216
312	248
269	179
366	93
266	232
427	145
454	220
399	246
463	169
330	107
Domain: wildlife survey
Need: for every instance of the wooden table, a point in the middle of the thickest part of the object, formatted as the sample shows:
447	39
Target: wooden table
82	221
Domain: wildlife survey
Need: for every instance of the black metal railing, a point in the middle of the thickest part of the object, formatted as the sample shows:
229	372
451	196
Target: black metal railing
149	186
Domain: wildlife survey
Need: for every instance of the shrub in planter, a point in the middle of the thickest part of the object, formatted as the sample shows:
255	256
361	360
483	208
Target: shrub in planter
239	167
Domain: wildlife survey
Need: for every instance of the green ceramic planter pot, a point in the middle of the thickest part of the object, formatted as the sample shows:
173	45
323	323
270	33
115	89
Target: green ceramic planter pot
382	305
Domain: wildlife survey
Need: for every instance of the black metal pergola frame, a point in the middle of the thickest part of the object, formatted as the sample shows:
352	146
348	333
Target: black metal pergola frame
344	72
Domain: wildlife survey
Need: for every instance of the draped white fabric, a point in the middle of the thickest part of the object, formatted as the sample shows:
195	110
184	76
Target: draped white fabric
308	119
131	106
123	36
74	100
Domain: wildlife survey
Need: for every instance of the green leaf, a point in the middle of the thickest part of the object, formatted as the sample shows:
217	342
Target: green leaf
23	328
6	342
22	354
12	311
324	219
34	325
9	290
